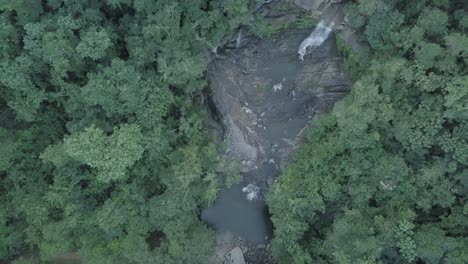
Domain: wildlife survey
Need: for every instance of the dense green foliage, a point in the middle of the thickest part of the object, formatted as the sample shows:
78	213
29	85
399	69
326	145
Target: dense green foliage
384	177
104	148
267	26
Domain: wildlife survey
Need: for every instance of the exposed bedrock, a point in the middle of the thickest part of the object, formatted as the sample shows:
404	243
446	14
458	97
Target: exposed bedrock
267	97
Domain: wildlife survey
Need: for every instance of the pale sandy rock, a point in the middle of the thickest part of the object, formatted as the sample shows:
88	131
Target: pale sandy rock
235	256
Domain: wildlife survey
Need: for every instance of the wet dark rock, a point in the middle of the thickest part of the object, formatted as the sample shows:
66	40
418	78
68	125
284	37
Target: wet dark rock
267	98
332	11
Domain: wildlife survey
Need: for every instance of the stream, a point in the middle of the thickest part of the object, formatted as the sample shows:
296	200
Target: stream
267	92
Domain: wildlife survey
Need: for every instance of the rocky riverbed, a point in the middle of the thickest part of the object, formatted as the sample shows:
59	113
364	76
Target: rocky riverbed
266	97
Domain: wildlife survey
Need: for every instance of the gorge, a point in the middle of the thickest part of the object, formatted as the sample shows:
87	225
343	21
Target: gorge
267	93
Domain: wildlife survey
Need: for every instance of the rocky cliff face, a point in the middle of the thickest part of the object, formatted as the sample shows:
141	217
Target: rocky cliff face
331	11
267	97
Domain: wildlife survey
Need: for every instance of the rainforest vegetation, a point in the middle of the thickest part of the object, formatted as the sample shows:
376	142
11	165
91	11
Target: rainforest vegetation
383	178
103	139
105	151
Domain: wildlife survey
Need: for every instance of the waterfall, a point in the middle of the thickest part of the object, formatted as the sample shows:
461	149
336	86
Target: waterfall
316	38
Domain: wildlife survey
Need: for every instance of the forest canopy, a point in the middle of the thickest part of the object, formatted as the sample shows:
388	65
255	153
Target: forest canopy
103	135
383	178
106	152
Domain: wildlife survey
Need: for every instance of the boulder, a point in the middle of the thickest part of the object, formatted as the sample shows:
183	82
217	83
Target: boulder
235	256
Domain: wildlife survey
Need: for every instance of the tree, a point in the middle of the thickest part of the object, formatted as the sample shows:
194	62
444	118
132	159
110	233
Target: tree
101	128
382	28
381	177
429	54
110	155
20	91
434	21
26	11
352	240
94	44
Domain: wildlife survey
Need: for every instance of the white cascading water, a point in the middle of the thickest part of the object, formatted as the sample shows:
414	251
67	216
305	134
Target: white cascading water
252	191
316	38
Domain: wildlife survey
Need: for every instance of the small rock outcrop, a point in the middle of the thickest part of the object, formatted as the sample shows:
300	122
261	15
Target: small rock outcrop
235	256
